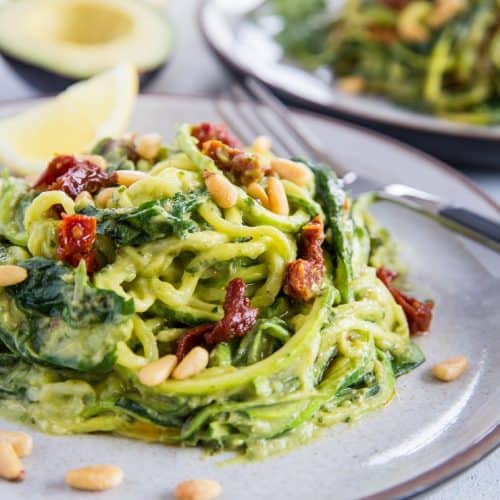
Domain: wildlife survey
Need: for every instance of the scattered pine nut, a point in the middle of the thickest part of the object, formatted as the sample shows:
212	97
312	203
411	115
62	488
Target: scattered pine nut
292	171
445	10
129	177
223	192
194	362
262	145
84	197
129	136
410	22
450	369
414	33
351	84
20	441
94	477
12	275
11	467
278	202
148	145
104	196
198	489
258	192
156	372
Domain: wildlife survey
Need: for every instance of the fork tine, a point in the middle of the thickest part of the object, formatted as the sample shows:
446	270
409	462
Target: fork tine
241	100
256	116
252	109
235	124
247	128
241	112
288	123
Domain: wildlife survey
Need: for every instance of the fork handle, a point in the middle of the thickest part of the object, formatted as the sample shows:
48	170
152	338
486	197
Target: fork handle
459	219
472	224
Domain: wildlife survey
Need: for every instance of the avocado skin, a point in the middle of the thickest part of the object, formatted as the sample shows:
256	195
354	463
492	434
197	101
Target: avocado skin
48	82
53	76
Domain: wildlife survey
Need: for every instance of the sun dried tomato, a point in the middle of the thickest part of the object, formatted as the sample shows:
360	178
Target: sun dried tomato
76	240
209	131
239	318
245	167
304	276
72	175
418	314
311	239
383	34
301	280
191	338
57	167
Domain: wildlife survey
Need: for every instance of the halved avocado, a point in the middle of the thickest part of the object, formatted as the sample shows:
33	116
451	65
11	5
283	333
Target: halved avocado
79	38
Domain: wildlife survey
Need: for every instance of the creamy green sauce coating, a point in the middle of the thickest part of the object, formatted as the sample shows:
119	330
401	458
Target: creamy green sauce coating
71	347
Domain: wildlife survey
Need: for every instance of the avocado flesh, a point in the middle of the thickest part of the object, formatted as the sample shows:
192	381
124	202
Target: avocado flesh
79	38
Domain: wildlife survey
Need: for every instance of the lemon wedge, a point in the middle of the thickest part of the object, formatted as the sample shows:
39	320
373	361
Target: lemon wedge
71	122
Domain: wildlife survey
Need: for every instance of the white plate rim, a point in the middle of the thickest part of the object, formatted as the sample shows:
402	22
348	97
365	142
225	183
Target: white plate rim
432	125
490	440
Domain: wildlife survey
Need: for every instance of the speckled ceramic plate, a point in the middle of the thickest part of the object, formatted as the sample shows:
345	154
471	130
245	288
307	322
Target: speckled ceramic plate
249	49
430	431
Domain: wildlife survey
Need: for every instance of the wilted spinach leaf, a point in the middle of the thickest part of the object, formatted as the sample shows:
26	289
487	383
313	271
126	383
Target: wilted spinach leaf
331	196
305	29
57	317
407	361
55	290
149	221
15	198
119	153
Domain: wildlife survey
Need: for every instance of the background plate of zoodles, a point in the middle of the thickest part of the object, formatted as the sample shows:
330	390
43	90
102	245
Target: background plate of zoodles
73	379
426	72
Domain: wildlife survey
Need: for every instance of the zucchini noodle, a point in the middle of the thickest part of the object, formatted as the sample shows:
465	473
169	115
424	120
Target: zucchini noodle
72	344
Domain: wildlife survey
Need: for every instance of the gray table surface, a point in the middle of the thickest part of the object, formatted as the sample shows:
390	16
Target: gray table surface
208	77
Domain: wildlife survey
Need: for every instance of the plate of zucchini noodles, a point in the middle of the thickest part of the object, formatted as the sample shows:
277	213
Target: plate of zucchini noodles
185	305
425	71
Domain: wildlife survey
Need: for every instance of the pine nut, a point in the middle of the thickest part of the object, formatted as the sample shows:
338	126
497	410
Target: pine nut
445	10
278	201
20	441
157	371
198	489
12	275
292	171
411	22
194	362
129	177
98	160
223	192
95	477
104	196
414	33
257	191
351	84
84	197
262	145
148	145
129	136
11	467
450	369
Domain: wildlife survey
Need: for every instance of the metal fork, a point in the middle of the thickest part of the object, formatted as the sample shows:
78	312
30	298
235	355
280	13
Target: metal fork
267	115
